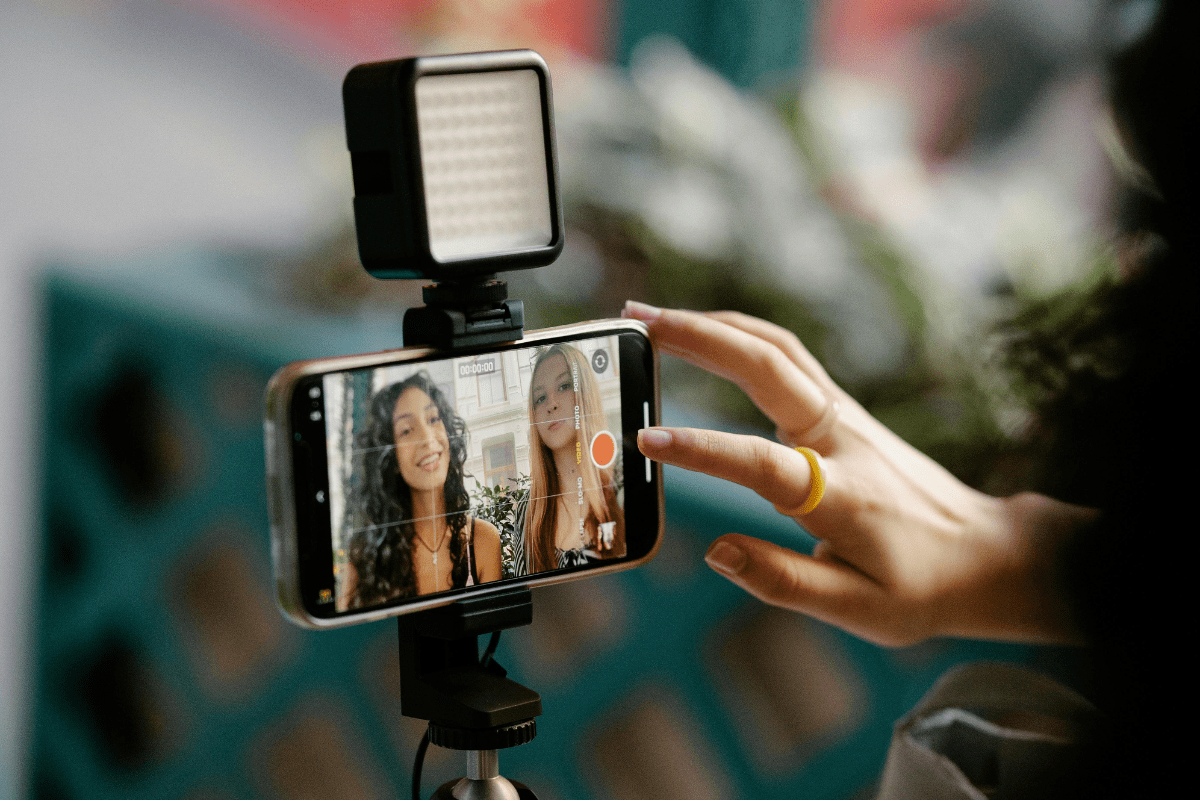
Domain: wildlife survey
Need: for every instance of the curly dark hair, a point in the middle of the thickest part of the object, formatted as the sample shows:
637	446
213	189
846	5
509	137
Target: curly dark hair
380	550
1108	372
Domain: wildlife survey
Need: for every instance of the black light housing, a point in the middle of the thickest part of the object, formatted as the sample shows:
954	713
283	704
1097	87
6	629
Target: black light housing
455	166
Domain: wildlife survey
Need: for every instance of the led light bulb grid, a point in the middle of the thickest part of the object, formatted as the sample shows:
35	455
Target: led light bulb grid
483	161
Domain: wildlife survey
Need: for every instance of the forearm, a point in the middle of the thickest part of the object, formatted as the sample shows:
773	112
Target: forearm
1020	590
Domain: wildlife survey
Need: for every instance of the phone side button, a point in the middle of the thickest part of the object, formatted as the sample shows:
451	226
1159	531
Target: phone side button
646	424
275	500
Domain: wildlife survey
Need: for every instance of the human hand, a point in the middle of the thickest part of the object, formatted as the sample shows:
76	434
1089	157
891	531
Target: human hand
906	551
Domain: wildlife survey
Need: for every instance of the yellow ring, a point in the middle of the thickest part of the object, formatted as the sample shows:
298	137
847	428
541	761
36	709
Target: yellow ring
817	491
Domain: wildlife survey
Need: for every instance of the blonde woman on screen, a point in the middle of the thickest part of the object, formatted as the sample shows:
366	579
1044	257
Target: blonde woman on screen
572	516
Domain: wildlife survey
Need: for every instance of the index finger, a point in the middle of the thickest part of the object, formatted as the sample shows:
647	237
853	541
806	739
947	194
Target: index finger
785	340
776	384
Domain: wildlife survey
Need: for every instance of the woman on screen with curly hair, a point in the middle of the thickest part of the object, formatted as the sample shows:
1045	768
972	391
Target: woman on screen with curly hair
414	535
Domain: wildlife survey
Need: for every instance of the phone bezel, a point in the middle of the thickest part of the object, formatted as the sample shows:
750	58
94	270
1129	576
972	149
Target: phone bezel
296	537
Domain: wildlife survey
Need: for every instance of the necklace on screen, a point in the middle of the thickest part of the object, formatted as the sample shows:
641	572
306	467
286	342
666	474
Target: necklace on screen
433	551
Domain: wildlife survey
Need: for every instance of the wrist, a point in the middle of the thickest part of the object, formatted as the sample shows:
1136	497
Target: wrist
1020	590
1046	531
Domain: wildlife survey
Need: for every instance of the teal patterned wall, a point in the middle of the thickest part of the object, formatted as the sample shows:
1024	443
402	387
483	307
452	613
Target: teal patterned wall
750	42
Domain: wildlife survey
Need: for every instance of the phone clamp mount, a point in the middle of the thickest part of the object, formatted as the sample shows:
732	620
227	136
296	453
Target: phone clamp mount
464	313
470	704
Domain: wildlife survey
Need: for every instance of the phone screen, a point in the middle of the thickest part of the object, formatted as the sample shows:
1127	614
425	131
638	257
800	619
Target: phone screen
445	474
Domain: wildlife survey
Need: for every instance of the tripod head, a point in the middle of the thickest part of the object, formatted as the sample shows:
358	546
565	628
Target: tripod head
471	705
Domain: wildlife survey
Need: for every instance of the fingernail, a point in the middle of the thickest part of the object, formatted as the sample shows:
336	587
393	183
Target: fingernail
642	311
654	438
726	558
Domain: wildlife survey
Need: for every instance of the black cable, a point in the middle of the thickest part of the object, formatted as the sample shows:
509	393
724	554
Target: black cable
418	763
490	650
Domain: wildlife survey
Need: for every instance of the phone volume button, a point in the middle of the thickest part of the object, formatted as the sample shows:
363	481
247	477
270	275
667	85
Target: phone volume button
275	499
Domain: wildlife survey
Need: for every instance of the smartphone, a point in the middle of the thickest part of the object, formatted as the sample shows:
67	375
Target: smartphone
407	479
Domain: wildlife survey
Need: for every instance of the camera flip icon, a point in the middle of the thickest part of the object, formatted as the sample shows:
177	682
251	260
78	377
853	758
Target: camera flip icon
600	361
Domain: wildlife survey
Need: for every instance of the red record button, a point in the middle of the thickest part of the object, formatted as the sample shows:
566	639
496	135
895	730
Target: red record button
603	449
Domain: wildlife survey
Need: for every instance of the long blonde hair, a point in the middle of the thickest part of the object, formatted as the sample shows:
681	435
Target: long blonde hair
544	485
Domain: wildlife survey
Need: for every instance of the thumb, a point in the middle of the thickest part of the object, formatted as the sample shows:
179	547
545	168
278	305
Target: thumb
826	589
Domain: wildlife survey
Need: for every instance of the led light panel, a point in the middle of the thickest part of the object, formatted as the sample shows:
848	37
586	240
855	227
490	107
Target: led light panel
483	160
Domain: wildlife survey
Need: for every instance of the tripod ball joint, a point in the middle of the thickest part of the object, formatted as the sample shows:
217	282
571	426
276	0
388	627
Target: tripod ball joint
483	781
